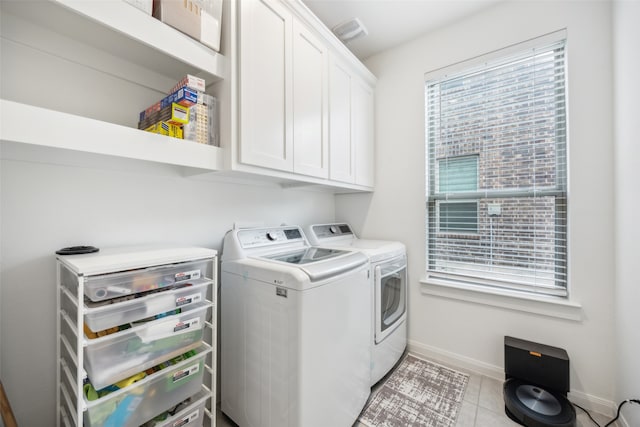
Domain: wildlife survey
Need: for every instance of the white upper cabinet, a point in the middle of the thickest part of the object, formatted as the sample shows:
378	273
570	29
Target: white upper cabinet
305	102
362	116
351	137
266	130
283	91
310	107
342	147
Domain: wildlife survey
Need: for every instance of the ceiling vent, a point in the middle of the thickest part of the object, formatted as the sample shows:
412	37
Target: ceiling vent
350	30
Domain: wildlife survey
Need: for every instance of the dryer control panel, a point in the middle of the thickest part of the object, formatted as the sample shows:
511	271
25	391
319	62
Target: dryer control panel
331	230
269	236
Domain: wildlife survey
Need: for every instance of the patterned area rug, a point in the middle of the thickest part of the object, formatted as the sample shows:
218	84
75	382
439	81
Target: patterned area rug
417	393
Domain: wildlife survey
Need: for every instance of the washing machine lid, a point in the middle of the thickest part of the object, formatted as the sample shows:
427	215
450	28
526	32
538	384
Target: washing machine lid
319	263
306	255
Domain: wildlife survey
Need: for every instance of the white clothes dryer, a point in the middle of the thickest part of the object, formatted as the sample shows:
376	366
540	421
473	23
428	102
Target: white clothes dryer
389	272
294	330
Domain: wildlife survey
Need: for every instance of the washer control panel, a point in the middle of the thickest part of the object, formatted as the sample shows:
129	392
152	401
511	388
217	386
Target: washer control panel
331	230
269	236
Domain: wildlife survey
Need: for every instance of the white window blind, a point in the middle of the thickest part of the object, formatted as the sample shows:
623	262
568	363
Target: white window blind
496	176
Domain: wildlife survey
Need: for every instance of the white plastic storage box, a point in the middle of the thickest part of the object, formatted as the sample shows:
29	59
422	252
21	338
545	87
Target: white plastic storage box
190	416
200	19
103	315
144	5
117	356
113	285
145	399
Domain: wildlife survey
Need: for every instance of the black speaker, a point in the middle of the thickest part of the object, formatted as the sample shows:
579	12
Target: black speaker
537	383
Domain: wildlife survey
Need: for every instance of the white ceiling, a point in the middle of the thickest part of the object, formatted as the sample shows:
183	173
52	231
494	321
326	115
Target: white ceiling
392	22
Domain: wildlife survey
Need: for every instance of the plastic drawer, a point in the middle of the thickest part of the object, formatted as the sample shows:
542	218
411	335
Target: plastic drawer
103	315
189	416
114	357
142	401
113	285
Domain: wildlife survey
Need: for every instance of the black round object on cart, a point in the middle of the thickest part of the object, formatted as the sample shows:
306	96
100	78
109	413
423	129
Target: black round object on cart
77	250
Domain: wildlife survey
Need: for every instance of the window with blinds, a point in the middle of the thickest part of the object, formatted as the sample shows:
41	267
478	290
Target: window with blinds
497	173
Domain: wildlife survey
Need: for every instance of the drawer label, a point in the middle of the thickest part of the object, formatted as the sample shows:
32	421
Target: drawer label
188	299
192	370
187	324
187	275
185	420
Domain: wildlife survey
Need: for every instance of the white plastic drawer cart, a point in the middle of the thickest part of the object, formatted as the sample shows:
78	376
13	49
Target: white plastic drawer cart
136	342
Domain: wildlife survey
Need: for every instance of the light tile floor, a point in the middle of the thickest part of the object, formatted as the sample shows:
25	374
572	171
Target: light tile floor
482	406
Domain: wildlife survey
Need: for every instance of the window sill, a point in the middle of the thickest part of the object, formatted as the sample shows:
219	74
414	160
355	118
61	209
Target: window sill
538	304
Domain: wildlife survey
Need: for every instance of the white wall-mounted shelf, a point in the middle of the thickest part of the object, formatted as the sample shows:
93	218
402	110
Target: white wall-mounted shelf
67	131
126	32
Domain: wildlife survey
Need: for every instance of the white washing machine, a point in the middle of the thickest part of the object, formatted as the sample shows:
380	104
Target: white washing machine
389	272
294	330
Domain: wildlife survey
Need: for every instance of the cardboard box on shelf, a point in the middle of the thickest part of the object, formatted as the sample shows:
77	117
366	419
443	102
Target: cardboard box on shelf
175	114
192	82
183	96
200	19
165	128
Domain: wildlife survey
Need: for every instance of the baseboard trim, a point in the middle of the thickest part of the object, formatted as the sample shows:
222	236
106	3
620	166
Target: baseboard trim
456	360
593	403
587	401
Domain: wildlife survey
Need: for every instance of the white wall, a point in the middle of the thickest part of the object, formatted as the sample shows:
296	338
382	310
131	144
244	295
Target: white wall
46	207
473	332
626	35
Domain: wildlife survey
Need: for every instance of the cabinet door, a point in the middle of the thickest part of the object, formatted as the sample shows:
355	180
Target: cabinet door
341	144
310	139
362	114
265	85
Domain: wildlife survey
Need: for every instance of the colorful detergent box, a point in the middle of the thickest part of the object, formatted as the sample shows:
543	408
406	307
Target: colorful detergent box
192	82
164	128
184	96
175	114
149	111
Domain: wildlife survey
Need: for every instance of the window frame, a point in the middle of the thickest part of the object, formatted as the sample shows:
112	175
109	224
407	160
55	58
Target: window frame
503	56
